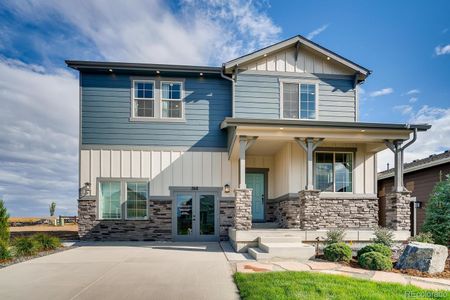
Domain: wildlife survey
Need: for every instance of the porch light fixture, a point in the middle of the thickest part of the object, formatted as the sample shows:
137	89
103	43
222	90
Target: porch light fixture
110	70
201	74
362	130
157	72
227	188
281	128
418	204
328	58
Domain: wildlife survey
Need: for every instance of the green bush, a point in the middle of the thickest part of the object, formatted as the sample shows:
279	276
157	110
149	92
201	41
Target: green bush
338	252
380	248
375	261
25	246
46	242
384	236
334	236
4	226
424	237
437	214
4	250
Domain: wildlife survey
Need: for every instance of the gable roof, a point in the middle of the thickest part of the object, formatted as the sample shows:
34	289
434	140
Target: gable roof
419	164
364	72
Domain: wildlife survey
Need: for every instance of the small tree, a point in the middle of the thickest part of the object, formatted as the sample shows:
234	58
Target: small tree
4	226
52	209
437	214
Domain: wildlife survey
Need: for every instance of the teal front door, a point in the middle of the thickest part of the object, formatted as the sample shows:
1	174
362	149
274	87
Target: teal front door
256	181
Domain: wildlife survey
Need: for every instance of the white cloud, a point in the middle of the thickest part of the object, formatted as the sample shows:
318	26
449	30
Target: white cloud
430	142
413	99
202	32
317	31
39	139
413	92
441	50
382	92
403	109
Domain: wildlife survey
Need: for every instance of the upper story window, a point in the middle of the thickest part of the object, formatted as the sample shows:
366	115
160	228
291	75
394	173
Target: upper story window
144	101
171	99
299	100
156	99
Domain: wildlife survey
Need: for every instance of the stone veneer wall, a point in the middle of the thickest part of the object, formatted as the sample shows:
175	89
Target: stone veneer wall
289	213
322	212
398	211
157	228
271	210
243	209
226	217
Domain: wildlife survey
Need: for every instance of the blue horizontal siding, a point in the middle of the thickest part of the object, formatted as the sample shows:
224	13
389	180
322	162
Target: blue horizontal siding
106	107
258	96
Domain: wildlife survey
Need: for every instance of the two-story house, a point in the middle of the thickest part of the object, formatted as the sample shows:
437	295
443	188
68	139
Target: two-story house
268	144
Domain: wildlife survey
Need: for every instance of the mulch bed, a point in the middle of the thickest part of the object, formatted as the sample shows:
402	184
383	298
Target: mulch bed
16	260
411	272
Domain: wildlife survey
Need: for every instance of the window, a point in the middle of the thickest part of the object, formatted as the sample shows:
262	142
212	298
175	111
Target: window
299	101
114	196
109	195
171	99
334	171
144	101
137	195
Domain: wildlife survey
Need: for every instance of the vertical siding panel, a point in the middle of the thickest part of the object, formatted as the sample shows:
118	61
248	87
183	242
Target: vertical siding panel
95	170
177	168
252	66
358	176
234	173
261	65
309	63
216	169
166	170
115	163
226	170
300	67
271	65
296	174
207	169
290	61
369	171
145	164
187	161
156	183
136	164
105	156
85	169
126	163
281	62
197	168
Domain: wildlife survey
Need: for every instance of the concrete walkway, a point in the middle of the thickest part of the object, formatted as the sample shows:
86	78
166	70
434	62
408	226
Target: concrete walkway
123	271
250	266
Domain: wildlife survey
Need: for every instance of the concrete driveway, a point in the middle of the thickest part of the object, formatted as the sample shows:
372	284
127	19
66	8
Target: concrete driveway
123	271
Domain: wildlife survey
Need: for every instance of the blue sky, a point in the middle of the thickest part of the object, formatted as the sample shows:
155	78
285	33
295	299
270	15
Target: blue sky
405	43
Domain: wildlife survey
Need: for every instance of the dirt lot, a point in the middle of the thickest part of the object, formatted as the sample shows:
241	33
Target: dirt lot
44	227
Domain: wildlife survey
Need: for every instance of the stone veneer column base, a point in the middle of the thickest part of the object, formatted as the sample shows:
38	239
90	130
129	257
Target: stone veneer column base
398	211
243	209
337	211
289	213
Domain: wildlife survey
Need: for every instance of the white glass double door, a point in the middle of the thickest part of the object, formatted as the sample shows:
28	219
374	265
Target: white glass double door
195	216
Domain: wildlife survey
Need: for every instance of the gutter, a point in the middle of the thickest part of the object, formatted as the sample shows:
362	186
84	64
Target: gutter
233	82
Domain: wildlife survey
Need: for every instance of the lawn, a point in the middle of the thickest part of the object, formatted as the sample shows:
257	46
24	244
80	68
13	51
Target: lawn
308	285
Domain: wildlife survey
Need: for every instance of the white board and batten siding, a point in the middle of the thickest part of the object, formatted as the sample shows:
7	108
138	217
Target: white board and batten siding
163	168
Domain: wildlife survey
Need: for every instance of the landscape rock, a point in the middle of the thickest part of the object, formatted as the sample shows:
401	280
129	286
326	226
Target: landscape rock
424	257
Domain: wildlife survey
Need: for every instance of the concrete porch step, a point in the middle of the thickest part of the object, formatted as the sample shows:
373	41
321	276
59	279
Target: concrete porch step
258	254
279	239
293	250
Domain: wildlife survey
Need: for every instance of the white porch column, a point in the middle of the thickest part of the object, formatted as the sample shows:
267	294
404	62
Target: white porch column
242	148
309	148
396	147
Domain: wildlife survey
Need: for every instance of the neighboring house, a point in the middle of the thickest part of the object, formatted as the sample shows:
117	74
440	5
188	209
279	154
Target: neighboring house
173	152
420	178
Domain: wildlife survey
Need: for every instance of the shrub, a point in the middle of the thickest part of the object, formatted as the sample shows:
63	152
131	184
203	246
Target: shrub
4	250
424	237
46	242
334	236
338	252
375	261
4	226
384	236
437	214
380	248
25	246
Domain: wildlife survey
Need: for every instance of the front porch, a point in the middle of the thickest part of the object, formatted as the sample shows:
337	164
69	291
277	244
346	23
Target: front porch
313	176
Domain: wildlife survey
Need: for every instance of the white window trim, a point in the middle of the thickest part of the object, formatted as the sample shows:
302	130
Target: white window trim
334	171
299	82
157	98
123	197
133	99
162	99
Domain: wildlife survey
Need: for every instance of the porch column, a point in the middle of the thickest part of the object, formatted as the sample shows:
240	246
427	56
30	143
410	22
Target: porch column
244	143
396	147
309	146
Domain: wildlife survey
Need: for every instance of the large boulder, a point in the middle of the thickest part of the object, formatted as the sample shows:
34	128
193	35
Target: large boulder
423	257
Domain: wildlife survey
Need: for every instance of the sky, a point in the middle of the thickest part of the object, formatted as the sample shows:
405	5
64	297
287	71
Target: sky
405	43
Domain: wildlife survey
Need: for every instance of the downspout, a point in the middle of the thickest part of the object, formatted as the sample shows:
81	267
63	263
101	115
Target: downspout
233	82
